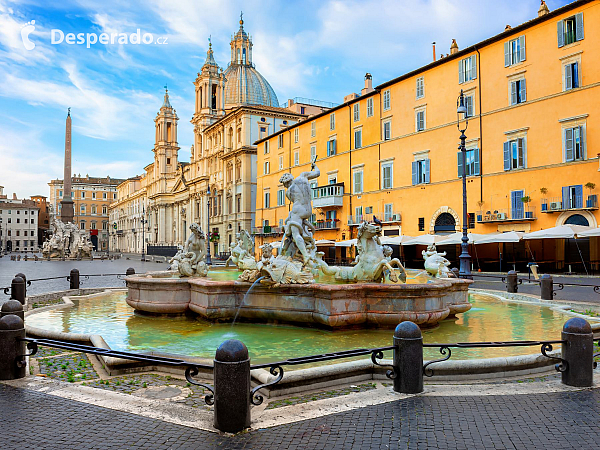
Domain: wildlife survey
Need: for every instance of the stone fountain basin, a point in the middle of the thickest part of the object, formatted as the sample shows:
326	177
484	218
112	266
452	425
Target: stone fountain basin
327	305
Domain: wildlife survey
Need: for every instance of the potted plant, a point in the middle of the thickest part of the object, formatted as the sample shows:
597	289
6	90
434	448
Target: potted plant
480	203
528	214
592	200
544	191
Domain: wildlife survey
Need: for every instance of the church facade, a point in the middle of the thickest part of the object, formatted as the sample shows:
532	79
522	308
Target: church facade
234	108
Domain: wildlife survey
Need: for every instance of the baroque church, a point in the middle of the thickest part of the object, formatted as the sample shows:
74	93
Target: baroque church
233	108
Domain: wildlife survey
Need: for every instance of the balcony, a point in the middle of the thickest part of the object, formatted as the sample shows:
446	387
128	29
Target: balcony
333	224
557	204
267	230
328	196
389	218
525	214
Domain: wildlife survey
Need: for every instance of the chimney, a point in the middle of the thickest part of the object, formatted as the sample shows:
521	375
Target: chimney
507	27
543	9
453	47
368	84
349	97
433	51
14	196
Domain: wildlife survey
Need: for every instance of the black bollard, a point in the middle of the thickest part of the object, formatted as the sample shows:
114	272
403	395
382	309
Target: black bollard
546	287
22	275
130	271
17	289
511	282
578	352
232	387
12	361
408	358
74	279
12	307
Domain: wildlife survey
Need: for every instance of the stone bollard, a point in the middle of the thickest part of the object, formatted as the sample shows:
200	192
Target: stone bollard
408	358
511	282
12	361
546	287
12	307
578	352
74	279
17	289
130	271
232	387
22	275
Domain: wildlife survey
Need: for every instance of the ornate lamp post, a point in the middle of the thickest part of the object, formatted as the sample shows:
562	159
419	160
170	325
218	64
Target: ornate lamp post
208	259
465	258
144	232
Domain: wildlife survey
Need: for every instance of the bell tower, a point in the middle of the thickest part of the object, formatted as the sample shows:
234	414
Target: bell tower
165	141
241	46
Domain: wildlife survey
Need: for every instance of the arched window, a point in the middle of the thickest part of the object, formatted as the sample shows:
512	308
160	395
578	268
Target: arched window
244	56
577	219
93	209
444	222
104	210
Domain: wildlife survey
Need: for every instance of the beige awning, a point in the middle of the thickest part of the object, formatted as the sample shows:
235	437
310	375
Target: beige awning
346	243
456	238
395	240
510	236
426	239
560	232
589	233
325	242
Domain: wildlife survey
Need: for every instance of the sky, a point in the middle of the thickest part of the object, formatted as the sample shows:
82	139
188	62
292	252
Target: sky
313	49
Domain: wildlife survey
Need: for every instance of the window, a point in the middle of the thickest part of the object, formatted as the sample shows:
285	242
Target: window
472	167
267	168
387	175
358	138
420	87
358	181
60	194
514	51
31	221
467	69
82	194
387	130
420	120
93	226
82	225
572	197
263	131
313	129
469	102
571	75
574	145
281	197
332	121
168	160
238	201
421	223
25	219
370	107
471	220
104	195
114	196
386	100
266	147
281	163
296	158
515	154
388	212
105	225
331	147
302	110
296	135
358	211
94	194
267	199
570	30
356	112
82	209
518	92
313	152
420	171
516	204
93	209
280	140
9	220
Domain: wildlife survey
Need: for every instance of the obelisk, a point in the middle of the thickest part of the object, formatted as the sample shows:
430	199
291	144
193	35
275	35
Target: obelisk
66	211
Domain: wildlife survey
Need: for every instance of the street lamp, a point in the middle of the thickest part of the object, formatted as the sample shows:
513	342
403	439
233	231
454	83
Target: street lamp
464	258
208	259
143	232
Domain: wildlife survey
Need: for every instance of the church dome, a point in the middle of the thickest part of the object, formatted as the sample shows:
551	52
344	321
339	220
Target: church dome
245	85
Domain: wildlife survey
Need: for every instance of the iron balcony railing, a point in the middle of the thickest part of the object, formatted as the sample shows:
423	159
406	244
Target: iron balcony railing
308	101
507	215
333	224
267	230
557	204
390	217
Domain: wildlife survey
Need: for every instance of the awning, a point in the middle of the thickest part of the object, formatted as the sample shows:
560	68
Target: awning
509	236
589	233
426	239
347	243
456	238
395	240
561	232
325	242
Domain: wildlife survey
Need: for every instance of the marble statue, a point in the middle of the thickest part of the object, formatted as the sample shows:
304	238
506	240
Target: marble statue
175	260
192	262
66	241
435	263
242	253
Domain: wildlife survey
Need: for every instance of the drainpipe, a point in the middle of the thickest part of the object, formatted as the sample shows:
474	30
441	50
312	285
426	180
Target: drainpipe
480	131
350	163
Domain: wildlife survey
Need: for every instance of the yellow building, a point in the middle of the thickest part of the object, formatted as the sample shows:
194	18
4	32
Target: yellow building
533	148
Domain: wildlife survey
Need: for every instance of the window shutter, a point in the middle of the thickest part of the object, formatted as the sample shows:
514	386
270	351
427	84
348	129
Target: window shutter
513	92
427	161
579	196
328	148
473	67
415	167
581	143
476	155
521	153
565	197
569	144
460	164
523	91
560	33
334	145
507	156
524	149
578	26
568	78
506	54
461	75
575	75
522	45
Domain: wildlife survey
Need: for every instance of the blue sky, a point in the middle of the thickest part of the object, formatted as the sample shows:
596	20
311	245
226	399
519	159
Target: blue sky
314	49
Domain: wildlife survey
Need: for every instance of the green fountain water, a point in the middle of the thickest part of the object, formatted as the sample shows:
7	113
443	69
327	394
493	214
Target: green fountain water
109	316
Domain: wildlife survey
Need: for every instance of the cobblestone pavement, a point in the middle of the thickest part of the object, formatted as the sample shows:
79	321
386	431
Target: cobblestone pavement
559	420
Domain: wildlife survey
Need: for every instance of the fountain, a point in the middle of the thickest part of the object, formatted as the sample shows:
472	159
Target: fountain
297	286
66	241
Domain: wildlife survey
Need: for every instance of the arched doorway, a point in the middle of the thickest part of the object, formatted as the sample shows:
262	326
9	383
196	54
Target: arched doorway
577	219
445	223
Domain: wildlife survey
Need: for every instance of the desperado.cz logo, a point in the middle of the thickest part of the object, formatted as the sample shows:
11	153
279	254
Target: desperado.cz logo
58	37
